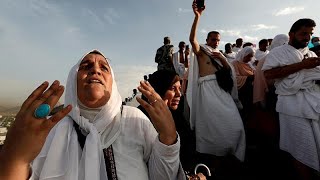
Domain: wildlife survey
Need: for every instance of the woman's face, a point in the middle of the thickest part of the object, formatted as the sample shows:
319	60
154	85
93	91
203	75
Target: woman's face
248	58
173	95
94	81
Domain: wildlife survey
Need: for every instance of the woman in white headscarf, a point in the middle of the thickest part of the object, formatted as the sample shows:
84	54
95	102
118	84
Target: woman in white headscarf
99	139
245	75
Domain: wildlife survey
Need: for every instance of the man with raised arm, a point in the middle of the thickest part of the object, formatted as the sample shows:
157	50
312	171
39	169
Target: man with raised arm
213	112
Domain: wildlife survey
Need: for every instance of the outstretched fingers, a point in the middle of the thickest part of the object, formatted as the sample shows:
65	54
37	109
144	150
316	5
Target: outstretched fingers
33	96
51	95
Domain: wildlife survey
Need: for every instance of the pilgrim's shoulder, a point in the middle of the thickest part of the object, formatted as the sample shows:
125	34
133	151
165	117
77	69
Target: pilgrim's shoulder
278	50
131	113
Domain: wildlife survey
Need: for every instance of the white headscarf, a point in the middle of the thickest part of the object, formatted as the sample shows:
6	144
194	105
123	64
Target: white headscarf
62	157
244	52
279	40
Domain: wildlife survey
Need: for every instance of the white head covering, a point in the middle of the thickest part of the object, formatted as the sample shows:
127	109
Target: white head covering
69	161
279	40
108	111
244	52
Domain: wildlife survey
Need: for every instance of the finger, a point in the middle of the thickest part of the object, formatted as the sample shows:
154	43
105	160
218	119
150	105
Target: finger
144	104
146	85
33	96
153	92
54	98
43	98
165	101
145	92
58	116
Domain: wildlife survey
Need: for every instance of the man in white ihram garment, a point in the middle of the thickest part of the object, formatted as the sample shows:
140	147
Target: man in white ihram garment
262	51
296	72
213	112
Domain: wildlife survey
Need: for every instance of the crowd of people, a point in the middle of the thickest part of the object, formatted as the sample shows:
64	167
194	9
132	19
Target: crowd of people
201	106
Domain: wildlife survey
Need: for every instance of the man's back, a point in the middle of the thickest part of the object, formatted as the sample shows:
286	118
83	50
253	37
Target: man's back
164	57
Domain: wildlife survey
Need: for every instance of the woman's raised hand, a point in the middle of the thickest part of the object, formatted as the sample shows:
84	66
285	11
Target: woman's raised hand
159	113
28	133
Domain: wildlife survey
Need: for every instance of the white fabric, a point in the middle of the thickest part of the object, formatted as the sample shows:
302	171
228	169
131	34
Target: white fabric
133	136
230	56
301	138
236	49
298	100
260	54
260	86
179	67
214	115
279	40
244	52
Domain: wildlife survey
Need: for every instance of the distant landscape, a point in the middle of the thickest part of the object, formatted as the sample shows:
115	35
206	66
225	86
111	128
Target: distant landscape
6	111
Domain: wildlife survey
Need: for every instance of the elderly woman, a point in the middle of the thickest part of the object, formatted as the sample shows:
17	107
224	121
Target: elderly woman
245	75
98	139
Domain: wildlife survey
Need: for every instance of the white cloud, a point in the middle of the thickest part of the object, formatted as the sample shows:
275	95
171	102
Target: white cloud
108	17
204	31
258	27
236	33
288	11
111	15
72	30
181	10
250	38
94	16
43	8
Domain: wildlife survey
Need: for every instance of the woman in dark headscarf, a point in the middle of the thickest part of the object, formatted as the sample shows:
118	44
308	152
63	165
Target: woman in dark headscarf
167	85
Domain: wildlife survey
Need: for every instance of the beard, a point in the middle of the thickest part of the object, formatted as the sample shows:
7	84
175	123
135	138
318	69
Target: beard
298	44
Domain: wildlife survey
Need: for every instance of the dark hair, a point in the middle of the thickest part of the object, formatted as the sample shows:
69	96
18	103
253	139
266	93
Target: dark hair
181	42
212	32
227	45
302	23
166	40
96	52
247	44
263	41
162	80
238	40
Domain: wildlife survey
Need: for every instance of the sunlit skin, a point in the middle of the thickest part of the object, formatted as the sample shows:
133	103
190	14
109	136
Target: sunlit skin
173	95
301	38
213	40
94	81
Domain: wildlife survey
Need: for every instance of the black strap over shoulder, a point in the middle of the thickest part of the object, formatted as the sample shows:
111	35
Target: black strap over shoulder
107	153
223	75
110	163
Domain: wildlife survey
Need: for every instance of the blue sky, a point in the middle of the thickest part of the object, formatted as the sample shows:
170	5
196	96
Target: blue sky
42	39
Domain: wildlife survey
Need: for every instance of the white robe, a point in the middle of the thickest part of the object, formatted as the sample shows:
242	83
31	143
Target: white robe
236	49
214	116
179	67
298	105
260	54
230	56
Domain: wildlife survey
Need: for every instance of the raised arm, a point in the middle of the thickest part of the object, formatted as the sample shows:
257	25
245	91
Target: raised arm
192	38
284	71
